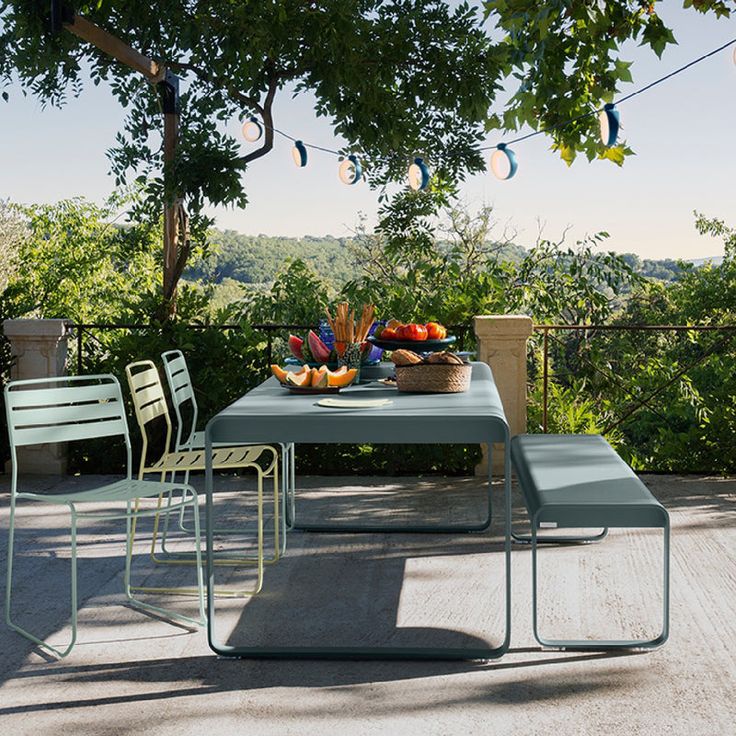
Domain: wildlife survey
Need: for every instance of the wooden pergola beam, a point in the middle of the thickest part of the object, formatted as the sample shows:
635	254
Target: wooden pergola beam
116	48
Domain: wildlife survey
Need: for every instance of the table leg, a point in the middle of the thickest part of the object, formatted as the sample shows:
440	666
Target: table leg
358	652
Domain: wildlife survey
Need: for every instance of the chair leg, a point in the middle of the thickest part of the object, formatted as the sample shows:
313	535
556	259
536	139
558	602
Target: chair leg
130	522
290	503
186	558
60	653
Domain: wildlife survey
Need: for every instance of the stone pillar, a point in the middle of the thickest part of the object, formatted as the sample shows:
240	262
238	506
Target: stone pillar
39	348
502	345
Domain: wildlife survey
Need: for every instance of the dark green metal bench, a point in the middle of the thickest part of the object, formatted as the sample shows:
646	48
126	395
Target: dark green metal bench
578	481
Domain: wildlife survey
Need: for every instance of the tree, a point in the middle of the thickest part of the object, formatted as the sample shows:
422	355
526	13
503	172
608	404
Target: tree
74	263
396	77
12	234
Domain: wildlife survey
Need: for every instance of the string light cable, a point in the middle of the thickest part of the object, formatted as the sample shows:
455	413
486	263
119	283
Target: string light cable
502	162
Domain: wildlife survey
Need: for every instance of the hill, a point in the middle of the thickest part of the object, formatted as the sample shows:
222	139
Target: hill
254	260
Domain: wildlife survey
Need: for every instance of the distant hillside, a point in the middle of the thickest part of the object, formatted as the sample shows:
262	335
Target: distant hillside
254	260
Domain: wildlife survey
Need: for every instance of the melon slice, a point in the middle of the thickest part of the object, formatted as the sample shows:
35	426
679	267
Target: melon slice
319	377
341	379
320	351
279	372
295	345
303	378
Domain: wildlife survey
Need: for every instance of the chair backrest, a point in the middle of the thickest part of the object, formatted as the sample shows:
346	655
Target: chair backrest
181	391
64	409
149	401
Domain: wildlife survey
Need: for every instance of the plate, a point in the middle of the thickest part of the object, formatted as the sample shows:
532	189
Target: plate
312	389
420	346
355	403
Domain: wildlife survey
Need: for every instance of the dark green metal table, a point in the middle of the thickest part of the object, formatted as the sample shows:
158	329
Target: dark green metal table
269	414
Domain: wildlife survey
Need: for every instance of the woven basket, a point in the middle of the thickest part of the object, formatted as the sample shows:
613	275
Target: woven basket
439	378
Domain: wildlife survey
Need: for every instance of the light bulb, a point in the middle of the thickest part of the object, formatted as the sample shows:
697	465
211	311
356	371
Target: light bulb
610	122
418	175
299	154
503	162
350	170
252	130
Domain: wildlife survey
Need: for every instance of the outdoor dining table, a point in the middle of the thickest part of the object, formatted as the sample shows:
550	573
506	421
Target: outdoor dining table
269	413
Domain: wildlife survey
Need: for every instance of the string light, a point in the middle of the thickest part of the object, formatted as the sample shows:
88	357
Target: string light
252	130
503	162
350	170
418	175
610	122
299	154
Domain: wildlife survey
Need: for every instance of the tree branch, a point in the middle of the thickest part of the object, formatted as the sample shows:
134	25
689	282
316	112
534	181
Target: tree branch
267	115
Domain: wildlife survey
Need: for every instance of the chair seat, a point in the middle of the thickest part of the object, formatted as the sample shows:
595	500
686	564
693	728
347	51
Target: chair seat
121	490
197	442
222	458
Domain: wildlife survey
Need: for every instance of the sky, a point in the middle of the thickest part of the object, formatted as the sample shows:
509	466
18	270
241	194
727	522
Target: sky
681	131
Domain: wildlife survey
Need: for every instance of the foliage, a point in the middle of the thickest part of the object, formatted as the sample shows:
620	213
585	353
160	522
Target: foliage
12	235
665	396
564	60
256	260
211	354
411	275
13	232
297	296
394	78
360	59
75	264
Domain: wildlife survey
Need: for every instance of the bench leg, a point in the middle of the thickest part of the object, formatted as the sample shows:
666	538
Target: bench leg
602	644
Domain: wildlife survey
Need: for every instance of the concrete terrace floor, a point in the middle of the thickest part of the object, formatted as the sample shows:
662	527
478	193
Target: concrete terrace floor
133	673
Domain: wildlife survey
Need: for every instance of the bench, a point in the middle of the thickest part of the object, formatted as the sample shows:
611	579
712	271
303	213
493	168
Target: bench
579	481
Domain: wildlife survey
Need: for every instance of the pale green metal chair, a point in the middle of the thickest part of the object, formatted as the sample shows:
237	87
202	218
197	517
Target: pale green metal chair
149	403
75	409
187	437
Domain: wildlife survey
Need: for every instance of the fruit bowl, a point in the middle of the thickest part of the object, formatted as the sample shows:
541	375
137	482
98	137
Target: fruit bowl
421	346
314	380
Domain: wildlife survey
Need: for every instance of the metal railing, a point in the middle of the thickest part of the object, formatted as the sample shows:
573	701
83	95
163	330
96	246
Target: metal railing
80	331
728	332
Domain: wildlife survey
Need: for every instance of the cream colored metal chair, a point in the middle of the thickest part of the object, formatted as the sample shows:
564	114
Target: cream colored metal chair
181	393
82	408
149	404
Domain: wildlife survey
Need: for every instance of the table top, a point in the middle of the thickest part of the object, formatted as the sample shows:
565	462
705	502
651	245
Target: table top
269	413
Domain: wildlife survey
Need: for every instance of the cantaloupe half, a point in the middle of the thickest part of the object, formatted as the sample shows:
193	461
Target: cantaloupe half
342	377
279	372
